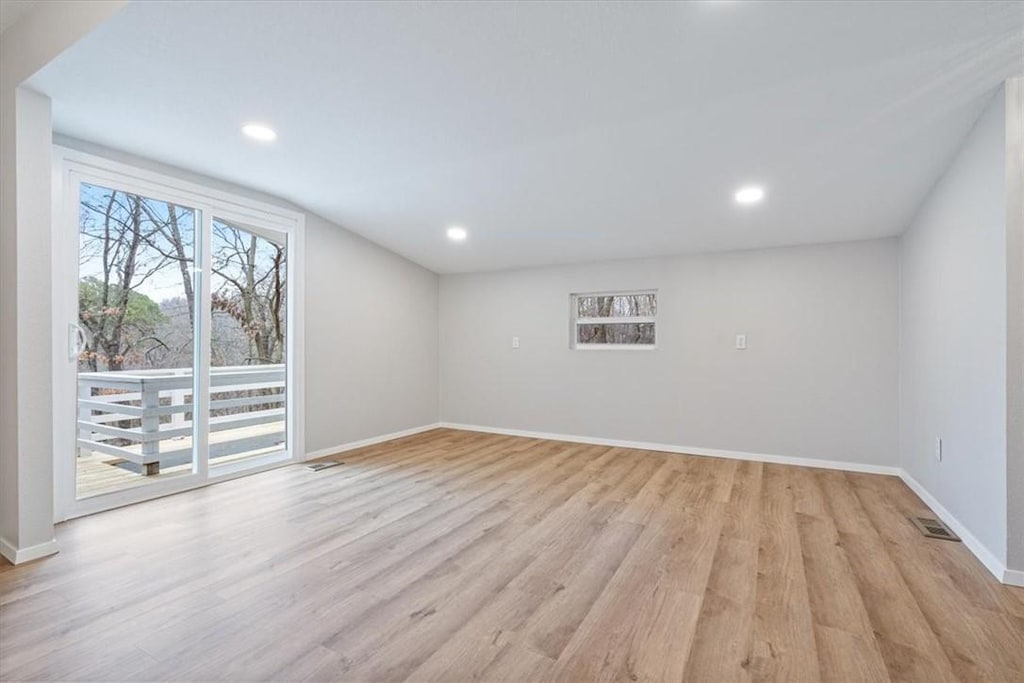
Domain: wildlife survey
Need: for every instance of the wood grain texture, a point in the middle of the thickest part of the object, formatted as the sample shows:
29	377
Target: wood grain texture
455	556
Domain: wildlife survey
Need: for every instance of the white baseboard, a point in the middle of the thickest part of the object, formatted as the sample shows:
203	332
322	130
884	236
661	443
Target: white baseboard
984	555
16	555
686	450
373	440
1013	577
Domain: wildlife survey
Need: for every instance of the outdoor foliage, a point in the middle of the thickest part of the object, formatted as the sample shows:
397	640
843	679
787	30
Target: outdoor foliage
616	333
616	306
249	288
122	324
136	299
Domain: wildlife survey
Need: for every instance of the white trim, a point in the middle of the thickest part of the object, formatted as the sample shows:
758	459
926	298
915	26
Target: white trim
64	408
167	186
296	344
685	450
613	320
72	167
372	441
615	347
617	292
105	502
575	321
16	555
203	328
984	555
1013	577
226	473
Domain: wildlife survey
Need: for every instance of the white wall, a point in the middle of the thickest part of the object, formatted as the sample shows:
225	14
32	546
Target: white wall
26	425
953	336
26	463
818	379
1015	323
371	339
371	325
27	507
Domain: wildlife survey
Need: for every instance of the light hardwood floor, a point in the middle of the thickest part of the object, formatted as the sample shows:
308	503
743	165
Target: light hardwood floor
454	556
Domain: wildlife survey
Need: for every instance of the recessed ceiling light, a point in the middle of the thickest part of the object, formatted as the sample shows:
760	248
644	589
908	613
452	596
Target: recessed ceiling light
751	194
259	132
457	234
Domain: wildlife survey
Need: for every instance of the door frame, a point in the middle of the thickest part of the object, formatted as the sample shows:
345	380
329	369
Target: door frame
70	167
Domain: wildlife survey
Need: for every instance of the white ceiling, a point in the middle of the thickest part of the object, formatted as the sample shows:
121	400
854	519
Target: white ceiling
554	132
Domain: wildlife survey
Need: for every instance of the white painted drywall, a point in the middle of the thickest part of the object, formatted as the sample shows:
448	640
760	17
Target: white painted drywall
26	463
27	467
371	325
1015	323
953	336
371	339
555	131
817	380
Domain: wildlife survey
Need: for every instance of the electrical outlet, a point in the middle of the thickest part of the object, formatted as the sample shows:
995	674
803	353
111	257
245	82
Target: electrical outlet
515	342
938	448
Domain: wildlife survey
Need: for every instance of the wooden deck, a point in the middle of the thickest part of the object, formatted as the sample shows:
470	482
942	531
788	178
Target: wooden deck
99	473
452	556
142	416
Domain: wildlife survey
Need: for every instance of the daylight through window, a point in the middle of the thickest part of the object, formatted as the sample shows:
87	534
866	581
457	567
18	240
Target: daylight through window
614	320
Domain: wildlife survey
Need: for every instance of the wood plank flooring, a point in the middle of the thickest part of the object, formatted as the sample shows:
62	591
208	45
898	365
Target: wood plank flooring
456	556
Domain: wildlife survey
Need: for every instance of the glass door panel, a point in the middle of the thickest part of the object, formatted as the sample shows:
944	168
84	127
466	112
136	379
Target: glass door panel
136	337
248	354
178	360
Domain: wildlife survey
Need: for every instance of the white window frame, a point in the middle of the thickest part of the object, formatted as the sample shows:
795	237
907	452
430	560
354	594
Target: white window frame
575	321
72	167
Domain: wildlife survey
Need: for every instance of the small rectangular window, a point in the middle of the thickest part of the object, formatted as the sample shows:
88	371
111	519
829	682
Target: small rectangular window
614	320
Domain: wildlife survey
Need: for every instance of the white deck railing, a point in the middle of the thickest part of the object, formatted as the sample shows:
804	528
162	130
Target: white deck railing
148	408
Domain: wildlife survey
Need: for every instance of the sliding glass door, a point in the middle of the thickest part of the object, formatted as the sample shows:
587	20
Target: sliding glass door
248	373
179	357
135	339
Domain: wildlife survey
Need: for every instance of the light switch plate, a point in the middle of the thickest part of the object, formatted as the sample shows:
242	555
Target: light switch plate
741	341
515	342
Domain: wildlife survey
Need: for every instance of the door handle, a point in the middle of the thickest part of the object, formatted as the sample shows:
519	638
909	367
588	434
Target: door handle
76	341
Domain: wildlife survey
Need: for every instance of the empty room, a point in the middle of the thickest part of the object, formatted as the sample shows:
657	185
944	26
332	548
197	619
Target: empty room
539	341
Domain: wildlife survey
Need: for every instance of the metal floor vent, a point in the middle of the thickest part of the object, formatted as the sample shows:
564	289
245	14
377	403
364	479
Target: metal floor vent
934	528
323	465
